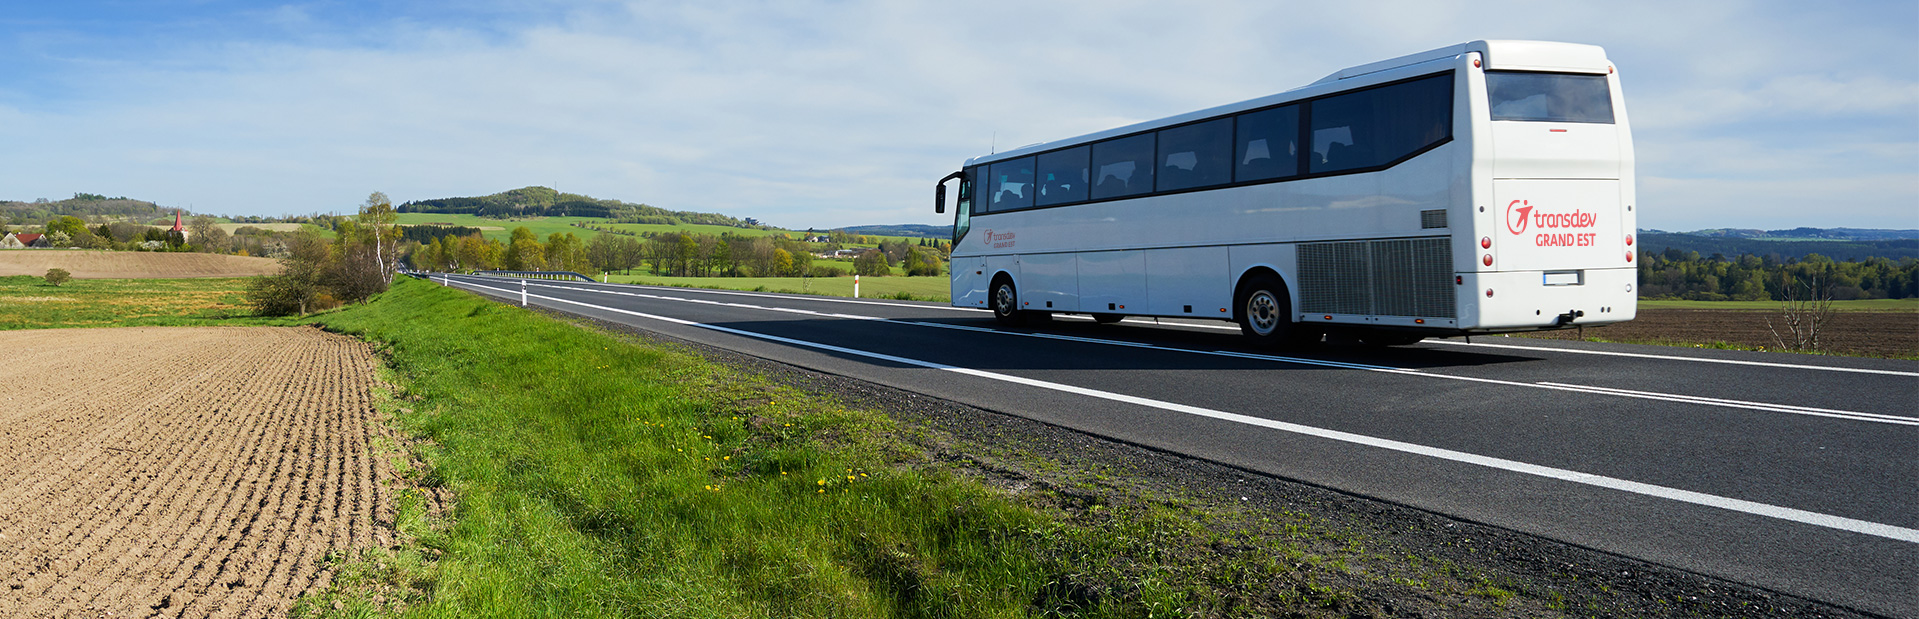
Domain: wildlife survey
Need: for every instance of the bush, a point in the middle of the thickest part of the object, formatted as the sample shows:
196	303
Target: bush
58	276
821	270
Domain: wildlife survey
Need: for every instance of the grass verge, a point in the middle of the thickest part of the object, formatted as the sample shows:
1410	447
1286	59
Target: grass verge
597	477
28	302
904	288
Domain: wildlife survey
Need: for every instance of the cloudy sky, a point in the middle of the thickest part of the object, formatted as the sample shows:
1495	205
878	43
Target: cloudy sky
804	114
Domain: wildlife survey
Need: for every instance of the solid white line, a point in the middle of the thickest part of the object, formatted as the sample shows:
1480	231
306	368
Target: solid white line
1644	395
1137	321
1685	496
1793	366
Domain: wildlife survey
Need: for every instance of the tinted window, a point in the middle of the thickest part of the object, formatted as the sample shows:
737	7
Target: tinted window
1376	127
1123	167
1062	176
1011	185
1268	144
1196	155
1558	97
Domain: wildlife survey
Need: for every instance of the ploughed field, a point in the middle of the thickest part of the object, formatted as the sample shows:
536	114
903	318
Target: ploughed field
1864	333
94	264
182	472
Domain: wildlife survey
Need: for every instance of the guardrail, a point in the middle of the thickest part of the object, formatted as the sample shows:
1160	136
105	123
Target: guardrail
539	274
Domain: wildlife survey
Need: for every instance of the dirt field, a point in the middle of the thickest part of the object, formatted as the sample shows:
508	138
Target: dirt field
182	472
132	264
1875	334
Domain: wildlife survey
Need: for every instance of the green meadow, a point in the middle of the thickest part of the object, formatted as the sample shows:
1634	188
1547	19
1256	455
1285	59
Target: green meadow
28	302
919	288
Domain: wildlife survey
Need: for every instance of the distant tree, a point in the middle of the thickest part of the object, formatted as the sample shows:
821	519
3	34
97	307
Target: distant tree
200	227
871	263
58	276
376	219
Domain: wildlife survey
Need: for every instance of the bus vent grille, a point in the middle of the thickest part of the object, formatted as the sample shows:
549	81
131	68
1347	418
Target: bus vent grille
1435	218
1333	278
1392	277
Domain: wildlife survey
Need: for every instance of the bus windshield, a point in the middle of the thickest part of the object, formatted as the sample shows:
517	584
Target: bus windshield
1551	97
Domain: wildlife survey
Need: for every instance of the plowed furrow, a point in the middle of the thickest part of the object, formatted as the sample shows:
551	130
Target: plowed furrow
182	472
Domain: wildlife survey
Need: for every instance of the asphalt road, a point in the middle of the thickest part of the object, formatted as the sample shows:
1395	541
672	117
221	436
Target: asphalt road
1794	473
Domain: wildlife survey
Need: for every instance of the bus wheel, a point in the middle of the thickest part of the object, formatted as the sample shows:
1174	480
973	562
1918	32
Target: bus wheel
1006	303
1265	312
1107	319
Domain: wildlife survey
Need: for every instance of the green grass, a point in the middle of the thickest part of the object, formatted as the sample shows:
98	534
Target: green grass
28	302
599	478
1864	305
541	226
697	229
921	288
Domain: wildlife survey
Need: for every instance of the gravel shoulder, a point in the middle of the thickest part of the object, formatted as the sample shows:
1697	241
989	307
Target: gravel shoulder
1400	561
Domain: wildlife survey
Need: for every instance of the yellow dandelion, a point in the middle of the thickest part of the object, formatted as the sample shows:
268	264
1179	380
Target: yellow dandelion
727	458
822	482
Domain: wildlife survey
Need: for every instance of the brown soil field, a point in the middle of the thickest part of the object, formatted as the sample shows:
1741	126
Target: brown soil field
183	471
1872	334
85	264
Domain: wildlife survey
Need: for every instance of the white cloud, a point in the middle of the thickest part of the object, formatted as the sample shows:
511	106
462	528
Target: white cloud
811	114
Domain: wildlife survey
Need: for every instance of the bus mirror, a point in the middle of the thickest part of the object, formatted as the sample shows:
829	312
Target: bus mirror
939	198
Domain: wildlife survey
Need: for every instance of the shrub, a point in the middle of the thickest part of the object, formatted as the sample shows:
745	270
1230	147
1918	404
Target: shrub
58	276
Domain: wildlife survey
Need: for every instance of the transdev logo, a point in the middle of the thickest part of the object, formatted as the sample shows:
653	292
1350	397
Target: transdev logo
998	240
1523	213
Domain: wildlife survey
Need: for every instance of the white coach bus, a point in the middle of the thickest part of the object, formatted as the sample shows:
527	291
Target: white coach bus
1480	188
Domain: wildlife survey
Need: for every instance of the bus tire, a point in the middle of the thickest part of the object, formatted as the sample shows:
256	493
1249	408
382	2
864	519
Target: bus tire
1107	319
1265	313
1005	302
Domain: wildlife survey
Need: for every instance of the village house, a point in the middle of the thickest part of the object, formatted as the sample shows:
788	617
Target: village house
23	240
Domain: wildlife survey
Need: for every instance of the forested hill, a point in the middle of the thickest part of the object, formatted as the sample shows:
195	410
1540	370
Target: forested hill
544	202
83	205
1834	243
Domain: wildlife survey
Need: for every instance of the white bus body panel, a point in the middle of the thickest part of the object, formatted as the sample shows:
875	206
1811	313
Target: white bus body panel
1158	254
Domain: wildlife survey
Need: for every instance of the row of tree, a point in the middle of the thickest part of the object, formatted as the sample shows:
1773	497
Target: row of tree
1673	274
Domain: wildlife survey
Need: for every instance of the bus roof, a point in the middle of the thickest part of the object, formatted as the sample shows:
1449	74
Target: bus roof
1498	55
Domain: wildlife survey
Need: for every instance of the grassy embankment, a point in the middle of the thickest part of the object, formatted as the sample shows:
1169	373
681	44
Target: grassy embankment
599	477
28	302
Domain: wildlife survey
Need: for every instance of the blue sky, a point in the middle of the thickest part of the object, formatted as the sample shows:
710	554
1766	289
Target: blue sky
1745	114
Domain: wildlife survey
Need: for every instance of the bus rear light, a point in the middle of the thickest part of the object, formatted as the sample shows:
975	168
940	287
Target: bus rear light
1488	260
1459	280
1475	63
1628	256
1485	242
1329	317
1629	240
1419	321
1489	293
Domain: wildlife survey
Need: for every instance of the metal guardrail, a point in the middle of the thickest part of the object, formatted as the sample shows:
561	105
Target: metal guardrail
539	274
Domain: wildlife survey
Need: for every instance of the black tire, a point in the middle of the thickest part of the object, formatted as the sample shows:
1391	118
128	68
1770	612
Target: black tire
1004	299
1107	319
1265	314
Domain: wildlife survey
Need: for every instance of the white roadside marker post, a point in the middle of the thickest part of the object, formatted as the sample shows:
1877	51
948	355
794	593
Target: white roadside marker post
856	286
522	292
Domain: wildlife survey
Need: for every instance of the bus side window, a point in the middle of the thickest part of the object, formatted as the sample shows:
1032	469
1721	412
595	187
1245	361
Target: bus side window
1378	126
1062	177
1268	144
1012	186
1196	155
1123	167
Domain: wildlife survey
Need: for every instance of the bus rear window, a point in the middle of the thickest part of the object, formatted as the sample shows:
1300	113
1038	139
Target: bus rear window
1550	97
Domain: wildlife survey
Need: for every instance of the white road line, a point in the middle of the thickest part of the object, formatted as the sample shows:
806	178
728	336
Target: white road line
1794	366
1685	496
1608	391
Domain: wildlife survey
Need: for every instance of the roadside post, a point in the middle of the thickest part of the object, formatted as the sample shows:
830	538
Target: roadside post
522	292
856	286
